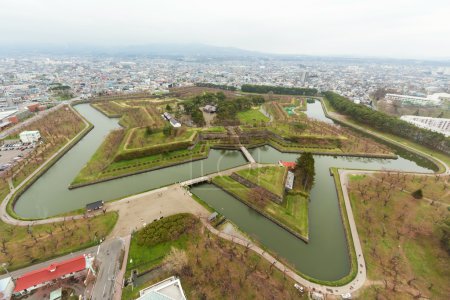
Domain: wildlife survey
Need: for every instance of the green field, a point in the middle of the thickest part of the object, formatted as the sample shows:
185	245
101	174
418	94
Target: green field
252	116
293	212
270	178
139	138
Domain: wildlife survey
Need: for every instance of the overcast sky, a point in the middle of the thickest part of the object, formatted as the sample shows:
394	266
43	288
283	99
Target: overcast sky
389	28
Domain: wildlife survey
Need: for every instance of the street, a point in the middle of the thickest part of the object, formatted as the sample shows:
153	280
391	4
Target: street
109	254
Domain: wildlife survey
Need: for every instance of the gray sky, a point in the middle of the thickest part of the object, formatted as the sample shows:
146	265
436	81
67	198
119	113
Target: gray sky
393	28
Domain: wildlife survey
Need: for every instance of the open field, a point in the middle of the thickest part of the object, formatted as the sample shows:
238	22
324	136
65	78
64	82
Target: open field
252	116
211	268
293	212
401	236
139	138
270	178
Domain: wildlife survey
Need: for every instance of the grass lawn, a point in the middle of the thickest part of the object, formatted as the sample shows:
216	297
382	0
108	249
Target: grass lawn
270	178
293	212
139	138
212	268
252	116
400	237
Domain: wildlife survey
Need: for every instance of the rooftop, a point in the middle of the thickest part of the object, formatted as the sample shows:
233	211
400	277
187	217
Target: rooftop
168	289
54	271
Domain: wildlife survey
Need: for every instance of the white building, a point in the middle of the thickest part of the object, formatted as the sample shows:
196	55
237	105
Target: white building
29	136
440	125
412	100
6	288
169	289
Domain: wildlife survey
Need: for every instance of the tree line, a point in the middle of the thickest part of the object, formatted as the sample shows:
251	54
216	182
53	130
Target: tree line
281	90
216	86
389	124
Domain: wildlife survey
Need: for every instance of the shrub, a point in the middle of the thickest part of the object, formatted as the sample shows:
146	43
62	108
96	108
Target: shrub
167	229
418	194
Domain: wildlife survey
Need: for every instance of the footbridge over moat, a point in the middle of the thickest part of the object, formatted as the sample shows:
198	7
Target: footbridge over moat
195	181
247	155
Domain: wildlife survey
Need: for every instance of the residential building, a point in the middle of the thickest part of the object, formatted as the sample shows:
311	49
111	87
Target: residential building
440	125
412	100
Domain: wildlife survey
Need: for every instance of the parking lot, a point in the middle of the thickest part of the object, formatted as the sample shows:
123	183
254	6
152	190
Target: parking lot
13	151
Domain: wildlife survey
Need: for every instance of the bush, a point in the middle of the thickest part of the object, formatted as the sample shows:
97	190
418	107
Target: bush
167	229
418	194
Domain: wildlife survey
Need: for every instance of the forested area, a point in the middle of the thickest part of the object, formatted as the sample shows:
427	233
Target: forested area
263	89
227	109
216	86
389	124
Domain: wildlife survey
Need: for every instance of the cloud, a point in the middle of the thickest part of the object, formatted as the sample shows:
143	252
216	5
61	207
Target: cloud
399	28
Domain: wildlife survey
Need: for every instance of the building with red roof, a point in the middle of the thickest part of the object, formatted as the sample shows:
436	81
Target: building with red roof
287	164
59	270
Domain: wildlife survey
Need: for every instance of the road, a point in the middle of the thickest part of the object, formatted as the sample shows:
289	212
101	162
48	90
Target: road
109	254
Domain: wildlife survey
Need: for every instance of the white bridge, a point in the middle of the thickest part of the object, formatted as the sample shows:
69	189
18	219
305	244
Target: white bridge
195	181
247	155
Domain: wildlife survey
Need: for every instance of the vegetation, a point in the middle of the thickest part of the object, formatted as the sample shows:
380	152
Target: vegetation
170	229
269	178
251	117
403	238
60	91
263	89
292	213
305	171
24	245
210	268
102	157
386	123
56	129
216	86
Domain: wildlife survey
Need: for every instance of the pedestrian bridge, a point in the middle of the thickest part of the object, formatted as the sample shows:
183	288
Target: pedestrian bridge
247	155
195	181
